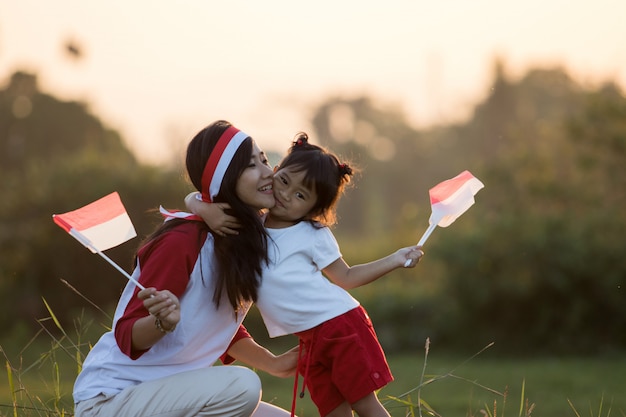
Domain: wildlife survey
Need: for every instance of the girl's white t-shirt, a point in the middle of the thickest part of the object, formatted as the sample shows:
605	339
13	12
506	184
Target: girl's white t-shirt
294	294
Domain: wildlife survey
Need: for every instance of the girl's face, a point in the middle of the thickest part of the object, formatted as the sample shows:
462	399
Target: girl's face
294	201
254	186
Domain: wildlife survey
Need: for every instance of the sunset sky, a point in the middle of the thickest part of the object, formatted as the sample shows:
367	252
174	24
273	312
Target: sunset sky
158	71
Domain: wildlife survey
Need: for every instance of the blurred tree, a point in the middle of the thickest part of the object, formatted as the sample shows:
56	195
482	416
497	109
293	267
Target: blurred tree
544	271
536	266
392	156
56	157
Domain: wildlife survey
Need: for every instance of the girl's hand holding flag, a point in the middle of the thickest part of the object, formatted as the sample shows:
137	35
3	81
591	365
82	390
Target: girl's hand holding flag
410	256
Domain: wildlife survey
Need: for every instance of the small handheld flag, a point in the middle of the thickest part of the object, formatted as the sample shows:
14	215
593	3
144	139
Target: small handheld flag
99	226
449	199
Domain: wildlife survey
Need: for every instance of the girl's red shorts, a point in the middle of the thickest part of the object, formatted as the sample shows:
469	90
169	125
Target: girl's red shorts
345	360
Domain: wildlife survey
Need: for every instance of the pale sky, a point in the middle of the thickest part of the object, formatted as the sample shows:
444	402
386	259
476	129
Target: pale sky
158	71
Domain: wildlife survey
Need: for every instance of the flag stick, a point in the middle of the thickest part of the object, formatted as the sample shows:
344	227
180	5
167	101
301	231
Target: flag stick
86	242
425	236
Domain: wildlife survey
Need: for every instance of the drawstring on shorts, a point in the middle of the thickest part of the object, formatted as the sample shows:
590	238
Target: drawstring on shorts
302	345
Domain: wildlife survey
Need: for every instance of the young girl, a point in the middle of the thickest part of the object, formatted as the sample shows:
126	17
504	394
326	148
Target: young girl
341	359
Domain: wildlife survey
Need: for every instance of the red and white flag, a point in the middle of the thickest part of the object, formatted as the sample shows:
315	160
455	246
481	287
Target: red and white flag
452	198
100	225
448	200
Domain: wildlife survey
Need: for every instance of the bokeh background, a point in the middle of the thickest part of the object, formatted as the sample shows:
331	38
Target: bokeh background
98	97
157	70
528	96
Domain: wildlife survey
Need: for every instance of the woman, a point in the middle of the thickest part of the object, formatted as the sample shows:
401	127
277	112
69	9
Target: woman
158	358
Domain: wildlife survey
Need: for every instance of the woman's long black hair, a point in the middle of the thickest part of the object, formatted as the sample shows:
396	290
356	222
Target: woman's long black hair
239	257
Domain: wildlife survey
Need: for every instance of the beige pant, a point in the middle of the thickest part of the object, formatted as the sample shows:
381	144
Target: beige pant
226	391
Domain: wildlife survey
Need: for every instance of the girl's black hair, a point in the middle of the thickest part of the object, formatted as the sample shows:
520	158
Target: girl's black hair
324	173
239	257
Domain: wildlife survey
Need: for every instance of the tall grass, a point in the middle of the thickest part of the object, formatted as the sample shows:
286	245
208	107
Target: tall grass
40	381
40	378
39	389
421	405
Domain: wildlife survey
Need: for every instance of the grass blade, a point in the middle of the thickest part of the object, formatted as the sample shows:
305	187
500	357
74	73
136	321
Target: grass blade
52	315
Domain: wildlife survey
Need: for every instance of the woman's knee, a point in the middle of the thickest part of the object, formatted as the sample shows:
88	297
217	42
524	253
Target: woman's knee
245	391
232	391
251	383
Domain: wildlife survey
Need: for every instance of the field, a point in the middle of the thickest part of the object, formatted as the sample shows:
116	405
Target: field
461	386
556	386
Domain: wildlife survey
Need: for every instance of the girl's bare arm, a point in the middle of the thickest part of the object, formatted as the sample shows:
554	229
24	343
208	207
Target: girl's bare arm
348	277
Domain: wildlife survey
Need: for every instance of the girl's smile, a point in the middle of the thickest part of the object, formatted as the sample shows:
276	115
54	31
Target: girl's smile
294	200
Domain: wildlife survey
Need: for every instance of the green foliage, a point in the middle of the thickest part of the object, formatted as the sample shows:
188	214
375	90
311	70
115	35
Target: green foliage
549	250
539	253
57	157
541	250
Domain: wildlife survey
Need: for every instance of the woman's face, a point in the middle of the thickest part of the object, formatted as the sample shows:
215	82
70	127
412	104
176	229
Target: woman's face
254	186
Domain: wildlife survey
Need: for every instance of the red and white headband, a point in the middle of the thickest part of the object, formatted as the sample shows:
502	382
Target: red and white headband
218	162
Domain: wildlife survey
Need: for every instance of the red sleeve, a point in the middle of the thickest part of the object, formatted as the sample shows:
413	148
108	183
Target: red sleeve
242	333
166	264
